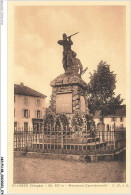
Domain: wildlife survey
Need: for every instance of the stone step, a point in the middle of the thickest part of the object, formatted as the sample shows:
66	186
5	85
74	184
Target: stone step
71	140
67	143
74	147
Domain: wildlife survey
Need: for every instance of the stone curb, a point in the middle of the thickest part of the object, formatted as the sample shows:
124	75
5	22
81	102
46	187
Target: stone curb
82	158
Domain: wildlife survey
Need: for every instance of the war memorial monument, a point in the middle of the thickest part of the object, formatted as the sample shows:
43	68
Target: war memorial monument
69	90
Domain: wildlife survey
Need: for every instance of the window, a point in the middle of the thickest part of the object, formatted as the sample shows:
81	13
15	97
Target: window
113	119
38	102
25	126
26	100
26	114
121	119
101	119
38	113
108	127
38	128
15	126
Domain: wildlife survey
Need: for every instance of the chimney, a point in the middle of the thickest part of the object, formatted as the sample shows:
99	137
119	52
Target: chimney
21	84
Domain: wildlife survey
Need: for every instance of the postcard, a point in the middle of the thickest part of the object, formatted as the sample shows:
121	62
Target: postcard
65	97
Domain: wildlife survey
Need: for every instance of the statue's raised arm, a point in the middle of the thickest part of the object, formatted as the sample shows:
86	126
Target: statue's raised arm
66	42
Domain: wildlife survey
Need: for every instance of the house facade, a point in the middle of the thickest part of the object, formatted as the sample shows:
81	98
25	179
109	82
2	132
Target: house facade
111	122
29	108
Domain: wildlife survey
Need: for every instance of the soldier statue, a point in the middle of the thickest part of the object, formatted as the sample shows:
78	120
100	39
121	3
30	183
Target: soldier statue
70	62
67	52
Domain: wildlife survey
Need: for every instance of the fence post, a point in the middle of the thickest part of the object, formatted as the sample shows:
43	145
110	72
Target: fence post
17	140
99	139
25	139
114	139
95	143
61	136
50	140
43	126
86	137
39	135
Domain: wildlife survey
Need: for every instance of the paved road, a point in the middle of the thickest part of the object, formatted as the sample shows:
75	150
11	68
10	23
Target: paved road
33	170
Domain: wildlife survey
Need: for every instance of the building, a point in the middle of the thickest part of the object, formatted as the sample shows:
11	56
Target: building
29	108
111	122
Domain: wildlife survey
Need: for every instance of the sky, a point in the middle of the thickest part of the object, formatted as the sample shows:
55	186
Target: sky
38	57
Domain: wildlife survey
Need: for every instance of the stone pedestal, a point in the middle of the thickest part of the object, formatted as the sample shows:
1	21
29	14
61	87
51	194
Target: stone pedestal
69	94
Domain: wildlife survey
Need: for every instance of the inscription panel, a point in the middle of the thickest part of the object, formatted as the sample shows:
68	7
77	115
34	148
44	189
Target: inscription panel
64	103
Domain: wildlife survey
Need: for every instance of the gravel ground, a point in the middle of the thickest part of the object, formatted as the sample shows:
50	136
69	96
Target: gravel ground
34	170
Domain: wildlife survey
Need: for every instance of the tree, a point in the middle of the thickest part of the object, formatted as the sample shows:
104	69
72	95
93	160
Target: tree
101	91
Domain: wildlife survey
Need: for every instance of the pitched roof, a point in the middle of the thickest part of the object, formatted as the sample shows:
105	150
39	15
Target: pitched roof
24	90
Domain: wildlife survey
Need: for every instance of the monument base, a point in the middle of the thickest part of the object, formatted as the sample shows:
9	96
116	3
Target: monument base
69	94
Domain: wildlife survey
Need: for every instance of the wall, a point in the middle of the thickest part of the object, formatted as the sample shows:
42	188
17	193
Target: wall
108	121
32	106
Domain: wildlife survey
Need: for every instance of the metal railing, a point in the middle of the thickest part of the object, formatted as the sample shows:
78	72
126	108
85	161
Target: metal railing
60	140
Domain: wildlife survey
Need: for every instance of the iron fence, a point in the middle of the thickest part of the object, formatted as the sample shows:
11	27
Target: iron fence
60	140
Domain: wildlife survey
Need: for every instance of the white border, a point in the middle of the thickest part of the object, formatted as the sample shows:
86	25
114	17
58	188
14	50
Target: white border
4	92
3	122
